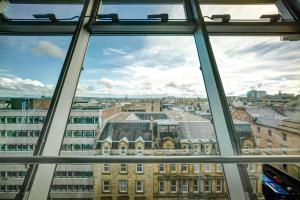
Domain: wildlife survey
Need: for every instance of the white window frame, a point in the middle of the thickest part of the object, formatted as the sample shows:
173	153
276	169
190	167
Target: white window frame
173	186
172	165
139	166
196	168
219	185
207	167
123	181
164	168
106	165
139	150
141	190
252	167
123	150
161	187
219	168
105	150
207	185
185	186
196	186
105	185
184	166
121	166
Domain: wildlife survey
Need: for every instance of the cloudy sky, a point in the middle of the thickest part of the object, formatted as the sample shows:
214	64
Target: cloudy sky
148	65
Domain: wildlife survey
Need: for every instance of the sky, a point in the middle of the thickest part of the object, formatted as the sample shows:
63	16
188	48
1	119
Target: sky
148	66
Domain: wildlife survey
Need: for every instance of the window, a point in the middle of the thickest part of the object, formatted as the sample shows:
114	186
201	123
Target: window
106	150
162	168
123	168
196	168
122	186
173	186
207	185
139	151
207	167
106	168
173	168
196	186
258	129
252	167
284	136
285	167
185	168
269	133
161	186
139	186
139	168
219	168
106	186
219	183
123	150
185	186
175	11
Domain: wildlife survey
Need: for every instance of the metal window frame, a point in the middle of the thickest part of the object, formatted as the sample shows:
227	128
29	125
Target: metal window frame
47	156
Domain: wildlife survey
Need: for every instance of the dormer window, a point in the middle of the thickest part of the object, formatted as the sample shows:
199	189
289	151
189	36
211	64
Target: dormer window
123	150
139	150
106	150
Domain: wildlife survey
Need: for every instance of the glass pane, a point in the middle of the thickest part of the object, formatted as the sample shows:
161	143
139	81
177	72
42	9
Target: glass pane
141	11
61	11
29	70
239	12
260	76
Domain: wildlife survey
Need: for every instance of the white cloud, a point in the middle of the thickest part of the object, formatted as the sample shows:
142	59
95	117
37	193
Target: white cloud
109	51
49	49
16	86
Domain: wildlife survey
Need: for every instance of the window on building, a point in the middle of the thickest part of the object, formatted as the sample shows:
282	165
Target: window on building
269	133
123	168
207	167
196	186
185	168
207	185
161	185
123	150
139	168
196	168
122	186
284	136
219	168
139	150
173	186
106	168
185	186
162	168
285	167
139	186
258	129
219	183
173	168
252	167
106	150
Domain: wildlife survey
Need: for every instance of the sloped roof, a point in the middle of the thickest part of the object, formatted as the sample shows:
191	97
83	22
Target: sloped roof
264	112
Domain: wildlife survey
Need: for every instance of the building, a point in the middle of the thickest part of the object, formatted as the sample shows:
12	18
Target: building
163	133
142	106
274	134
19	131
254	95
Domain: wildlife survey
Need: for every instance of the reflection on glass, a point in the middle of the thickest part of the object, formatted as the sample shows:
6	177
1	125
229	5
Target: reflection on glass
26	11
141	11
29	70
260	76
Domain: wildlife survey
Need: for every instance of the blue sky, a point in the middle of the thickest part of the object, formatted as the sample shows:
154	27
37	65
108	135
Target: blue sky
148	66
